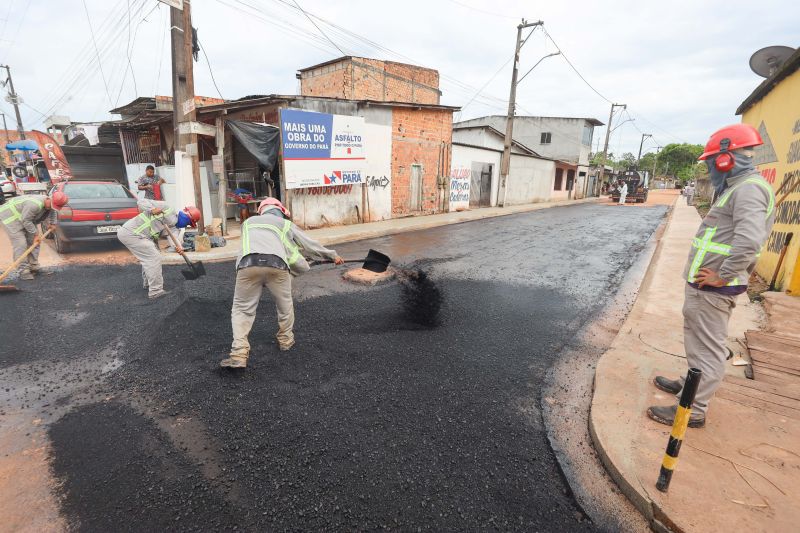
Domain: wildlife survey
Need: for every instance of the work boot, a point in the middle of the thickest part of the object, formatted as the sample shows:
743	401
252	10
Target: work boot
39	271
234	361
26	275
672	386
286	347
666	415
158	294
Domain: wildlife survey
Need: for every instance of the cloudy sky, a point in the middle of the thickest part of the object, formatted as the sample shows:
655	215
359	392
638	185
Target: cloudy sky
680	66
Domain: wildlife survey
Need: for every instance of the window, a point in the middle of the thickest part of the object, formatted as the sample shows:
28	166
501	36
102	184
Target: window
588	134
559	183
86	191
546	136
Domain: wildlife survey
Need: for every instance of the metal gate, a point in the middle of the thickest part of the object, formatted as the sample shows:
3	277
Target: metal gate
415	202
480	187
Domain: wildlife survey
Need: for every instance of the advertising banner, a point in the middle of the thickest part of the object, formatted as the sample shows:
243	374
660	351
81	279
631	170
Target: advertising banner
459	188
322	150
53	156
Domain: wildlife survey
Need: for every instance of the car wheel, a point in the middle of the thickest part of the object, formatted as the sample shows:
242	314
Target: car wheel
61	246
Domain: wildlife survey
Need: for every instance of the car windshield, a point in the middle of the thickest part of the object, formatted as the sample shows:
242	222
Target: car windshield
86	191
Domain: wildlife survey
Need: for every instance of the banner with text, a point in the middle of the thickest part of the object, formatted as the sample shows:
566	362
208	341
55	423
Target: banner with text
322	150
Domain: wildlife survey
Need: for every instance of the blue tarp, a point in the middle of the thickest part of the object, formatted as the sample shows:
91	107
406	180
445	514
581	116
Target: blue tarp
26	145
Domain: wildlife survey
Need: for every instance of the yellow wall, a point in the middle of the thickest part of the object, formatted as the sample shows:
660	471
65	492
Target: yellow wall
779	114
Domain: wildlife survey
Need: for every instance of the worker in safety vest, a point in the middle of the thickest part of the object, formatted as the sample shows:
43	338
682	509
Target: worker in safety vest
140	235
722	257
20	216
272	251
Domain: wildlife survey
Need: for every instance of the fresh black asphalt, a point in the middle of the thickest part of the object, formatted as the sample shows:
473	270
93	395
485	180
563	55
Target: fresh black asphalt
371	422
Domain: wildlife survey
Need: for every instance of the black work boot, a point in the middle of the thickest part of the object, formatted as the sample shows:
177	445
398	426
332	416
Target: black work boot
672	386
666	415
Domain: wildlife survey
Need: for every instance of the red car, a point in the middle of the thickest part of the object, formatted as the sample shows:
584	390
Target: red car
95	212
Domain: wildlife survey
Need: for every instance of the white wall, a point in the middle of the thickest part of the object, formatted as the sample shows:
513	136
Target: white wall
530	180
462	159
170	190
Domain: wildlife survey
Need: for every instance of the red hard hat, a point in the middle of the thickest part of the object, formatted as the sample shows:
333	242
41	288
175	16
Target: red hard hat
737	135
272	202
59	199
193	213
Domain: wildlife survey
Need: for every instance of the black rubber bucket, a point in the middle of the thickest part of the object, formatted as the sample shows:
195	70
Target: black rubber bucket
376	262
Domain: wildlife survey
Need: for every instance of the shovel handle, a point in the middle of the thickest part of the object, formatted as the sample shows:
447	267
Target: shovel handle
24	255
330	261
175	244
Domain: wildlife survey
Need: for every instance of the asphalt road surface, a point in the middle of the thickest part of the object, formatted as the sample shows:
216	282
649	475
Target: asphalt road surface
371	422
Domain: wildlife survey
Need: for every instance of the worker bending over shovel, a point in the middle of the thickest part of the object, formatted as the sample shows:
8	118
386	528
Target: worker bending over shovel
140	235
272	252
20	216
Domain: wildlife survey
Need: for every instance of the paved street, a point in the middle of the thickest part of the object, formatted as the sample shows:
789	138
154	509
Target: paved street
370	422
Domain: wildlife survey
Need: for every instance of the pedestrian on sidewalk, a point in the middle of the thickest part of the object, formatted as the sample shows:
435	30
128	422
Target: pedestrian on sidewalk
689	192
151	183
272	248
141	233
623	192
21	217
722	257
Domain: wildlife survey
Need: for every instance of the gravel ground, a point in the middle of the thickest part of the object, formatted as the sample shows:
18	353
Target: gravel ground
371	422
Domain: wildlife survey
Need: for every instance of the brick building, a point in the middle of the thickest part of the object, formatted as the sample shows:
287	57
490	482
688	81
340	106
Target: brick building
359	78
422	134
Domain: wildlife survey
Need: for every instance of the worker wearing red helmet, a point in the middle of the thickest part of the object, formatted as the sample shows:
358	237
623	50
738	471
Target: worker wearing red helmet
21	216
141	233
723	255
272	251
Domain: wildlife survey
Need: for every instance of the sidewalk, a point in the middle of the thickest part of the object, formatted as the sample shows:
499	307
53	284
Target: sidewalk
742	471
356	232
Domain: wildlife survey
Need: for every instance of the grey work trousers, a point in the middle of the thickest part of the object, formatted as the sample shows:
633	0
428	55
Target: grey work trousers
705	334
148	255
249	283
21	240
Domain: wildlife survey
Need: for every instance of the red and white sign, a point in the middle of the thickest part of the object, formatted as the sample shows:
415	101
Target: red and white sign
53	156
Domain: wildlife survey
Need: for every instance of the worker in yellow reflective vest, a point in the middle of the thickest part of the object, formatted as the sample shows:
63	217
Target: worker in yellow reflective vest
272	251
20	216
723	255
141	233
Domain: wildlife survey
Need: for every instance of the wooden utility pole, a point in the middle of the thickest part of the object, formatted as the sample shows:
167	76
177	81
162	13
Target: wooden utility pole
184	111
639	159
13	97
505	162
605	146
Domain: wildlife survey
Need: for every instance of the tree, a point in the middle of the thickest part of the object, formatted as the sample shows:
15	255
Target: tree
679	160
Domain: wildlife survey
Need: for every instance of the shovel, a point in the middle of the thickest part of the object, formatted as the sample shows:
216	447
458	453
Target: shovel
374	262
19	260
197	269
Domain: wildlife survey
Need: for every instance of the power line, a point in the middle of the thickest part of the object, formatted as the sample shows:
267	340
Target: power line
97	52
210	71
320	29
574	68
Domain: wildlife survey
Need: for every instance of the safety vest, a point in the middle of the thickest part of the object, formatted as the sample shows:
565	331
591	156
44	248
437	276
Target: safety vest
705	244
292	249
149	221
11	207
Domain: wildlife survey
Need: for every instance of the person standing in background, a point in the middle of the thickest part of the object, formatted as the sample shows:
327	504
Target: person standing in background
150	183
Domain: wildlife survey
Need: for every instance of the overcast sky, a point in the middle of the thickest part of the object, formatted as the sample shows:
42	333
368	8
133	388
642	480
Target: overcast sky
680	66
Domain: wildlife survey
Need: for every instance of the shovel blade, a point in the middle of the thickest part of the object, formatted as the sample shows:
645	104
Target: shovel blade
376	262
200	269
189	275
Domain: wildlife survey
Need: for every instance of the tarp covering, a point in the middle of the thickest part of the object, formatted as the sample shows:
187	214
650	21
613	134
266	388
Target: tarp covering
26	145
261	140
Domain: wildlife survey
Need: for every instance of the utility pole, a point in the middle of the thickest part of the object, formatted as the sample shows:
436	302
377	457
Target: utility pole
655	161
505	162
183	96
639	159
14	99
605	146
5	128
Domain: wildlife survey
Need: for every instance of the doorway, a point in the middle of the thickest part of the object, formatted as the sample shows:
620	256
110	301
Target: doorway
415	202
480	187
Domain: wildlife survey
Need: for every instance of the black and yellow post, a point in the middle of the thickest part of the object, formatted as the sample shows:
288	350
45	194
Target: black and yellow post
679	426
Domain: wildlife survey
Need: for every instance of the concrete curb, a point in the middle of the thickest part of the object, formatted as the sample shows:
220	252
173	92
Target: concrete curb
344	234
631	488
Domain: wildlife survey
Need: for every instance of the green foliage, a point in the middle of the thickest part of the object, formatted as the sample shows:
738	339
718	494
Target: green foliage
676	160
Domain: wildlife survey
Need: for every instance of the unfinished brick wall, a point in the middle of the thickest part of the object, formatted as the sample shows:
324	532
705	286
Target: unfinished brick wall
418	136
371	79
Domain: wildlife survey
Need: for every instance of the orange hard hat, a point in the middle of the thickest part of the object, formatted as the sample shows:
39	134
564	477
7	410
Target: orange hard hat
59	199
272	202
730	138
193	213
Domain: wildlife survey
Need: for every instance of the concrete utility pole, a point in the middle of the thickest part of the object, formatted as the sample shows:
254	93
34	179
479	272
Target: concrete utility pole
183	96
5	128
14	99
639	159
605	146
505	162
655	161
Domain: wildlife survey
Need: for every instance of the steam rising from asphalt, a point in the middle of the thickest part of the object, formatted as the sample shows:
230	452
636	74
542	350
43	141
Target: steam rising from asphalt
422	299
